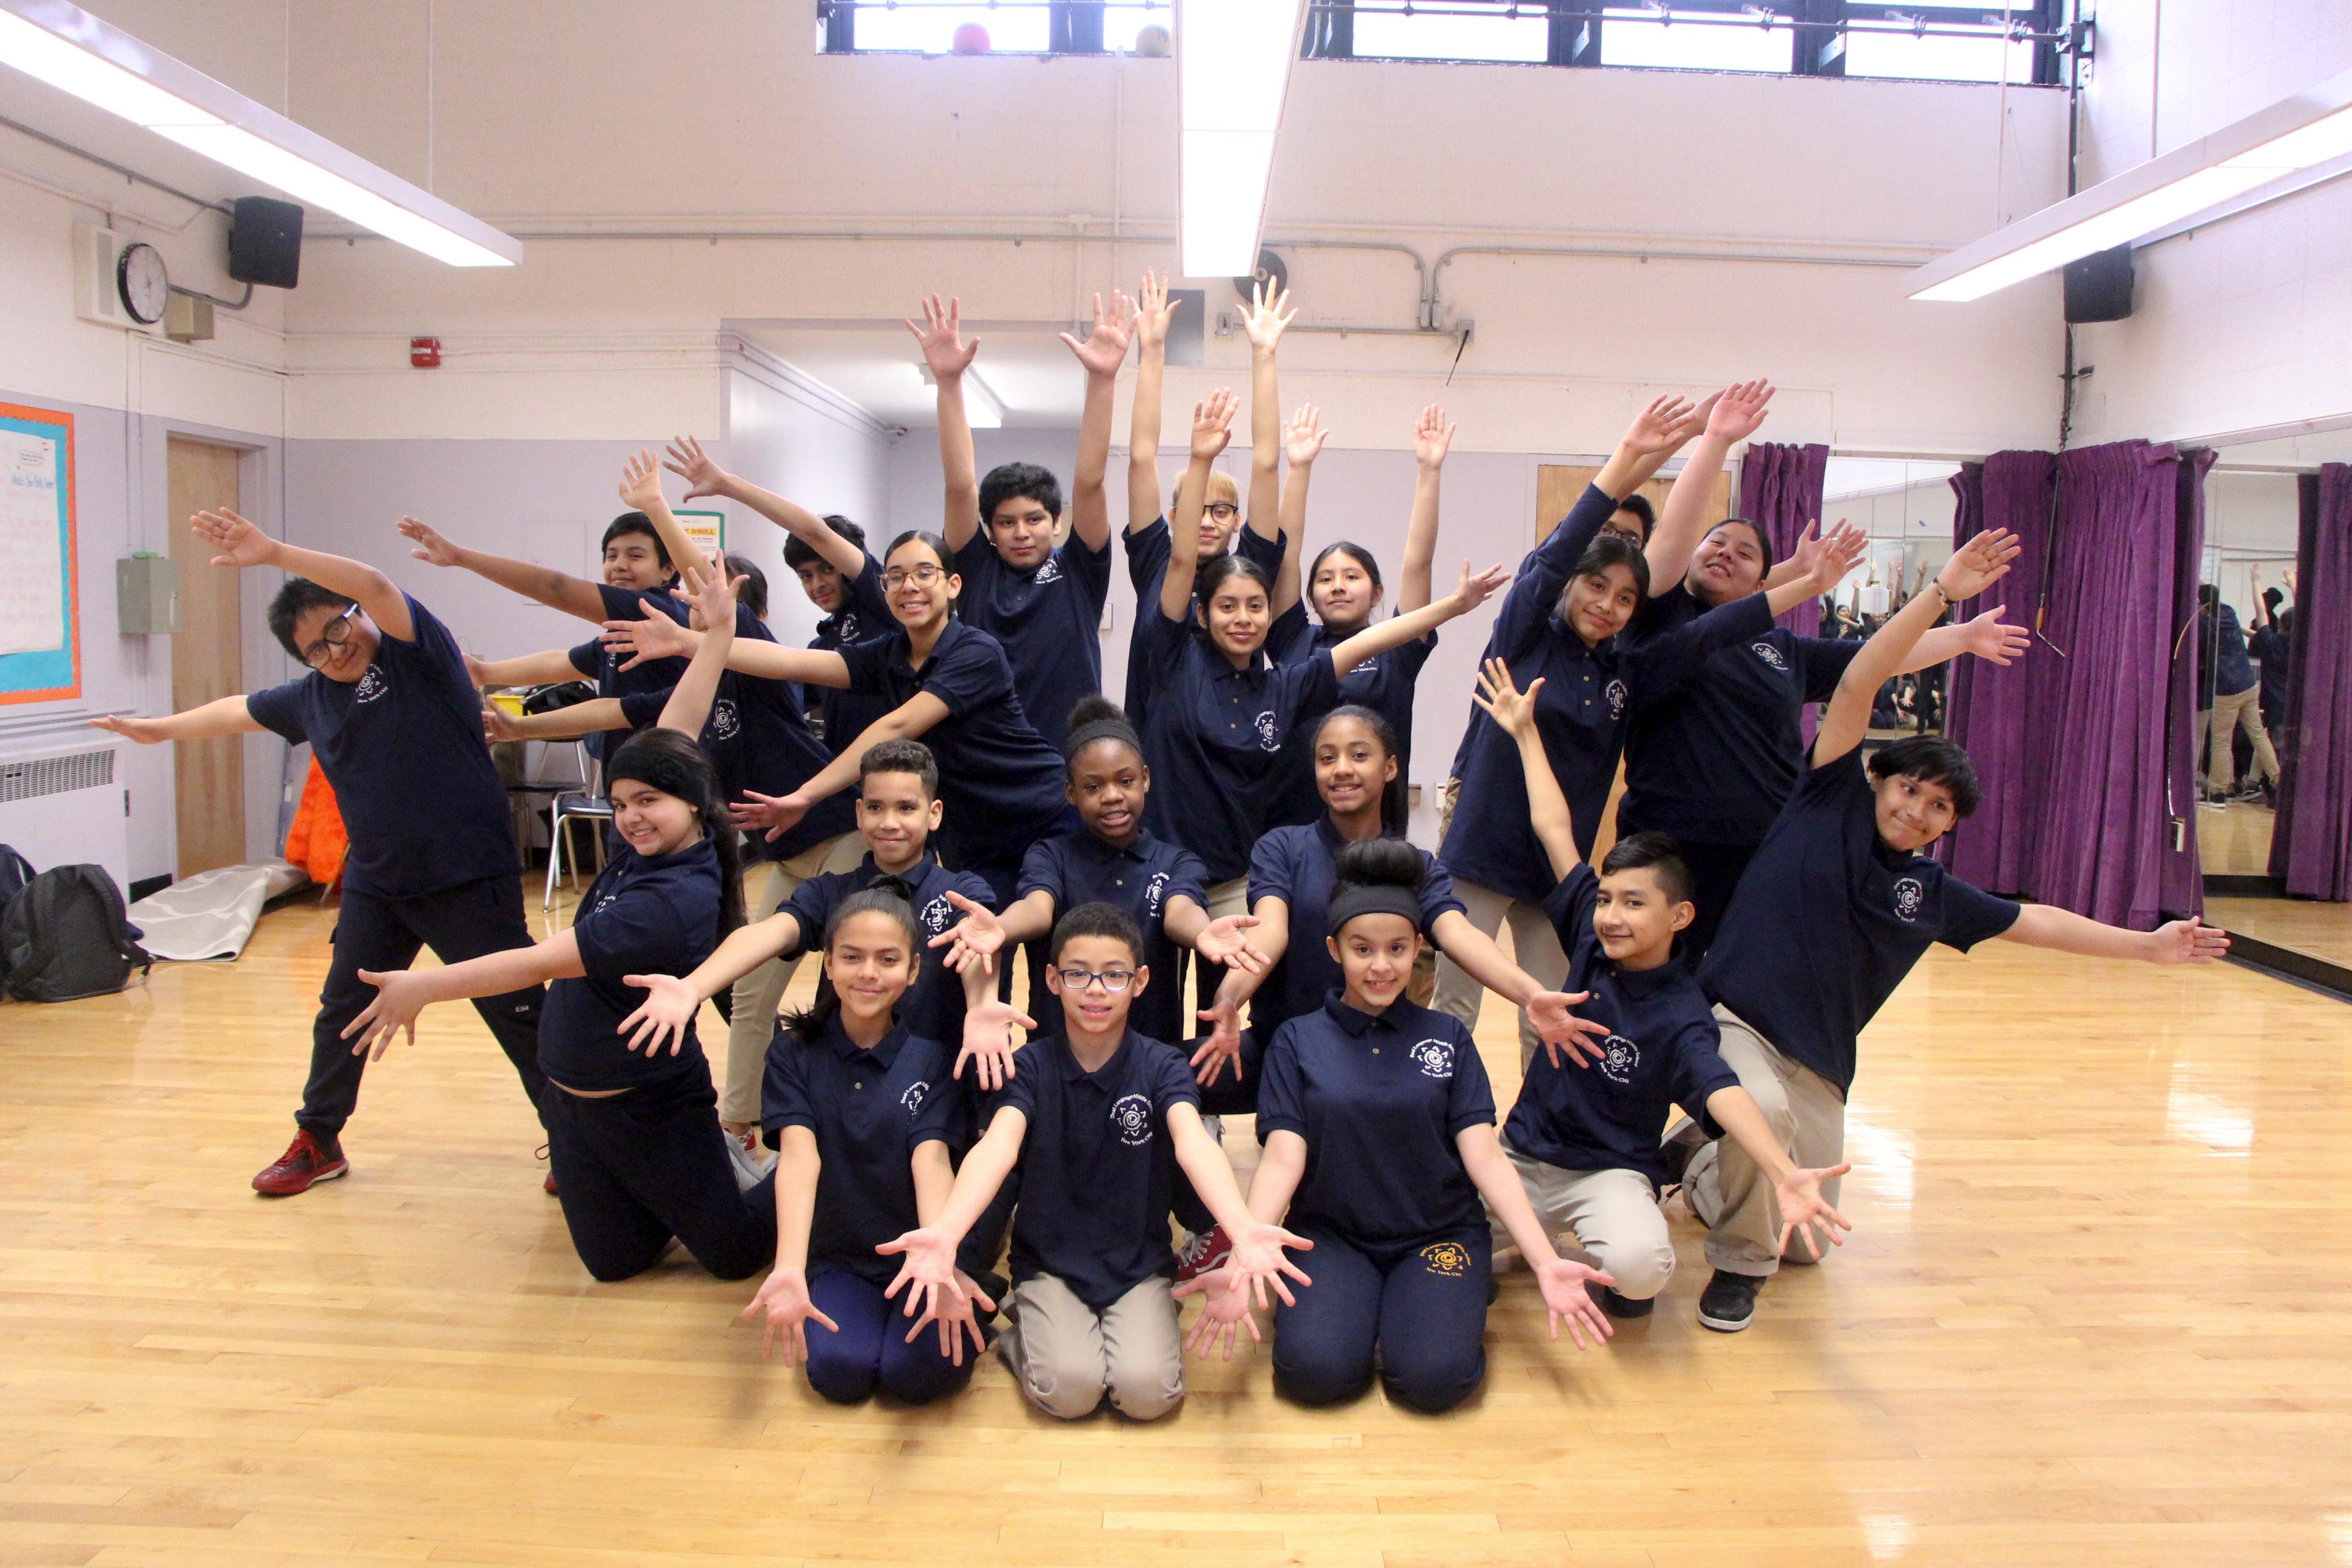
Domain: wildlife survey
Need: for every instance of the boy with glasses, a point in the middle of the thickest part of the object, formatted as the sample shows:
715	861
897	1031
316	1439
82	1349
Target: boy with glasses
392	718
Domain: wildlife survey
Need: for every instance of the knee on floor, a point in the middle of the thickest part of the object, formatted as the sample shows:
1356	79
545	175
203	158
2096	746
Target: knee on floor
1435	1384
842	1379
1143	1396
1067	1391
1317	1376
1641	1271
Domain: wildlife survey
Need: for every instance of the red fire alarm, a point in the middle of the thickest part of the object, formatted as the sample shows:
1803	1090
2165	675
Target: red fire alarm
424	354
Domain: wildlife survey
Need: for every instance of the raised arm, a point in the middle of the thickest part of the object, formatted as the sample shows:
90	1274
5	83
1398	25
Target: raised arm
1153	314
241	545
1433	439
711	591
1974	567
1657	433
1213	426
222	716
641	488
1985	635
1102	353
1738	413
1302	443
1398	630
1263	322
705	480
556	590
1547	807
949	356
915	716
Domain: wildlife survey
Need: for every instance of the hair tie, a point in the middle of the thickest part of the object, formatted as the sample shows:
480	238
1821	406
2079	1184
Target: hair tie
1355	900
1085	735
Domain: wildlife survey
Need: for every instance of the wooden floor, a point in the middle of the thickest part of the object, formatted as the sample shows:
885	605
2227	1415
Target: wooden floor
2099	1310
2234	840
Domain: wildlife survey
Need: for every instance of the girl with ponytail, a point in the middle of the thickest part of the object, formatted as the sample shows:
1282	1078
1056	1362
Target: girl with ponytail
635	1146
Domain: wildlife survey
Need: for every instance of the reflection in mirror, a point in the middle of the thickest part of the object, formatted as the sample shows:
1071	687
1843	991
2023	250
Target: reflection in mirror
1907	505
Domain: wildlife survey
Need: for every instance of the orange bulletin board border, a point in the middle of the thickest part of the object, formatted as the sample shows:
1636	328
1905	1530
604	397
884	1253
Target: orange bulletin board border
51	673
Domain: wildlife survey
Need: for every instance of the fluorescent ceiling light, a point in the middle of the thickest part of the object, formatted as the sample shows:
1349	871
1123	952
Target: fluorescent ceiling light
2276	146
1233	70
76	53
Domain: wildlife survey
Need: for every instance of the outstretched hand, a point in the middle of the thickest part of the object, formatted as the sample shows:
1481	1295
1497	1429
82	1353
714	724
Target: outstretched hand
1803	1210
641	482
941	337
399	998
1512	709
1105	349
1566	1299
1225	1312
1475	589
1153	311
1988	639
1221	1046
1213	425
146	731
1977	564
667	1014
1433	439
2187	942
1557	1025
1265	320
1827	558
1740	410
1221	941
687	460
783	1298
431	547
1302	438
240	544
778	814
977	938
989	1044
1662	428
651	636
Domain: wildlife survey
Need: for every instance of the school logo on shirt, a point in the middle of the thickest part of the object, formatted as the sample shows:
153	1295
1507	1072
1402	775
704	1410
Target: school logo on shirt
1131	1114
937	915
603	904
1908	894
1152	892
1435	1058
1049	573
913	1098
723	721
844	626
1269	731
1615	692
1447	1259
1619	1058
1769	654
371	685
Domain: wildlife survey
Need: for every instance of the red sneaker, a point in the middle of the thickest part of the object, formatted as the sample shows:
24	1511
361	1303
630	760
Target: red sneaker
303	1164
550	1183
1203	1254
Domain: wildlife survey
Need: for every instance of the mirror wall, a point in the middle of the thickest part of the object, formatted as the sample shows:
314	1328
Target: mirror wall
1907	504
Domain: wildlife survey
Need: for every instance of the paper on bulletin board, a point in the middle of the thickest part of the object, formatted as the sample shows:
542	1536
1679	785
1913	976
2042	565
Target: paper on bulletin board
707	529
32	546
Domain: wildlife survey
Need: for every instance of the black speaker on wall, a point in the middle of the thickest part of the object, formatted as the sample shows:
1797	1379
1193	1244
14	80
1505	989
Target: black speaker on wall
265	242
2099	287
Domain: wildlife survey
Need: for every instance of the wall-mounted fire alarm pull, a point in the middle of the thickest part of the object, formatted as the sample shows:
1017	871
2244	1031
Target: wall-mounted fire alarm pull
424	354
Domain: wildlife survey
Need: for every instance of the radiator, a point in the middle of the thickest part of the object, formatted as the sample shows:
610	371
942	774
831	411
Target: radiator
65	805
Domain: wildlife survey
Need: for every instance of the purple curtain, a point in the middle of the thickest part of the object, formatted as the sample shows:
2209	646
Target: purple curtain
1986	705
1781	489
2085	744
2311	845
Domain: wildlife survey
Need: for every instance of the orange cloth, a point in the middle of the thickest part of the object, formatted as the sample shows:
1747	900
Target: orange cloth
317	842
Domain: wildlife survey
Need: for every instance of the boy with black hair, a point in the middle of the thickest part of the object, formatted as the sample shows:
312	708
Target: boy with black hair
1095	1118
1043	601
1838	905
1633	519
1584	1139
396	726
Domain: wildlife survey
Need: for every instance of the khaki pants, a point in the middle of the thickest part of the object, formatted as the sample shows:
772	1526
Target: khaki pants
1727	1192
1609	1219
1534	944
2223	720
1068	1355
757	995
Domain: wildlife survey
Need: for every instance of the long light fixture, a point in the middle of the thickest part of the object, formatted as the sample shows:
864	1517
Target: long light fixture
100	64
2273	151
1232	72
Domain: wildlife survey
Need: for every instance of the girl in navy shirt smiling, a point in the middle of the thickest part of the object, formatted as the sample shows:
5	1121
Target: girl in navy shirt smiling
1379	1128
633	1140
860	1112
1840	903
1221	711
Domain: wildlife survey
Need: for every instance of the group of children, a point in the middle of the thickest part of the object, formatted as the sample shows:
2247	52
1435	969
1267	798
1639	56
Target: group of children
937	783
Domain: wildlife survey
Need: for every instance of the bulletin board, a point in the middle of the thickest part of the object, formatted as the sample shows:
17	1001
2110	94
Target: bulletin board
707	529
40	629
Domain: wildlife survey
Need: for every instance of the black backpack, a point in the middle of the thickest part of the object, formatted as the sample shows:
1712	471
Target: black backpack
67	936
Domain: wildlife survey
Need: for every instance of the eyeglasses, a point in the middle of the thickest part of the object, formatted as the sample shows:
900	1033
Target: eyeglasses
1223	511
331	635
1113	980
925	575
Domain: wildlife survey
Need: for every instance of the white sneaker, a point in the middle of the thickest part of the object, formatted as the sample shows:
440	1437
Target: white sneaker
752	1161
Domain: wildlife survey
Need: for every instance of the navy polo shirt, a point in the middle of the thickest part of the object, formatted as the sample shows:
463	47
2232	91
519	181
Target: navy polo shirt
603	665
1300	866
1049	620
1383	683
1147	568
1081	868
2273	652
1711	757
869	1111
934	1006
1829	920
1379	1098
1580	713
1098	1167
1003	785
402	747
1215	736
842	716
642	915
1663	1049
2232	672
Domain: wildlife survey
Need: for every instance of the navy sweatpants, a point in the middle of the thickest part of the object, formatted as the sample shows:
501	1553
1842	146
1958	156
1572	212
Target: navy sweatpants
1421	1304
637	1168
870	1350
457	923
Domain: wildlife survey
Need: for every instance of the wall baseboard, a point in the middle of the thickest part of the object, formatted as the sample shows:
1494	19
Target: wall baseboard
2285	963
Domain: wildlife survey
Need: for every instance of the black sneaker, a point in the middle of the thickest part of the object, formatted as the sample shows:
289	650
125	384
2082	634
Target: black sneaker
1728	1303
1618	1305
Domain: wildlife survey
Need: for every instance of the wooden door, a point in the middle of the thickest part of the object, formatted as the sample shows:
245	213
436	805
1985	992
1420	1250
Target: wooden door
207	661
1556	487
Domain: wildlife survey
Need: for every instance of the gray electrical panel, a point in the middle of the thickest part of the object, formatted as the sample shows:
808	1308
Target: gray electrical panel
147	595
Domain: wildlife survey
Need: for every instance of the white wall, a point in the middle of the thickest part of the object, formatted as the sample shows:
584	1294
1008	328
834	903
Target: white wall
2247	322
788	437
